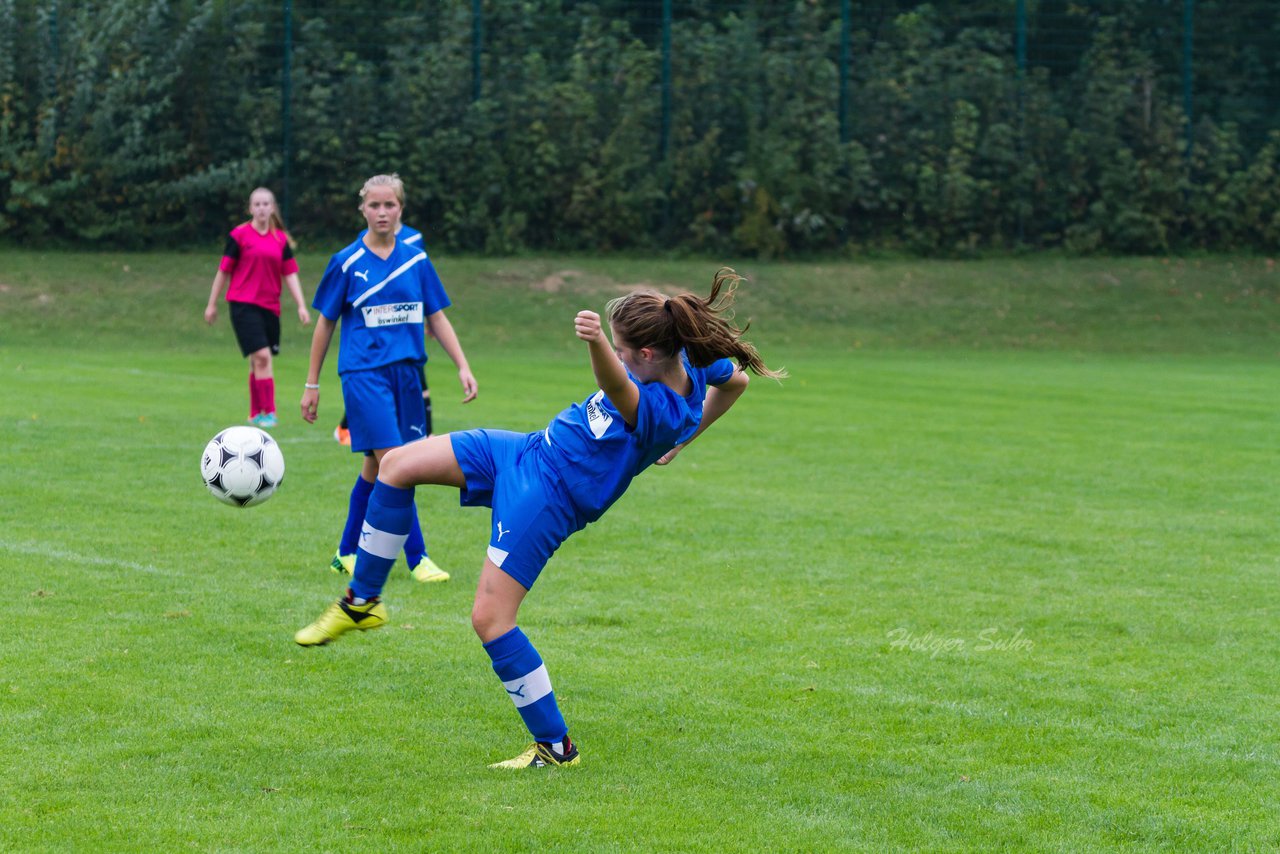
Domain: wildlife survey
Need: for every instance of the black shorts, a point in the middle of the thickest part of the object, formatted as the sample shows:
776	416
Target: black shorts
256	327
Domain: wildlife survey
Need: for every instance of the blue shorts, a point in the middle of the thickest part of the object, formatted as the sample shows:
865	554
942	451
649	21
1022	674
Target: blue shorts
384	406
532	513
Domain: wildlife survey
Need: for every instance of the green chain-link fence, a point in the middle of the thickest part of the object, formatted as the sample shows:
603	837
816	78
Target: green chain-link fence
767	127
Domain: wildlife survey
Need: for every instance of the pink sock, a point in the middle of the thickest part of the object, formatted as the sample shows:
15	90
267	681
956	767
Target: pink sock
255	400
267	394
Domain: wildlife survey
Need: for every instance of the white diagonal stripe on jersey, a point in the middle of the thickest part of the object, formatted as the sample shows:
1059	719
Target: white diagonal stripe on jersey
354	258
497	556
422	256
417	238
529	688
380	543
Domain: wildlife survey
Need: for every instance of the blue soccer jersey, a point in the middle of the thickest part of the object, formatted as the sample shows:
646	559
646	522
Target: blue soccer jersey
382	305
597	455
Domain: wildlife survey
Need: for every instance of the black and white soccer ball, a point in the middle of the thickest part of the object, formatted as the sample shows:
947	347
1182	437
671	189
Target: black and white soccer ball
242	466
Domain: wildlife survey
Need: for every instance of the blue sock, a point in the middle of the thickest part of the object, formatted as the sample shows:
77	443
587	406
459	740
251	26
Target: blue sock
385	528
524	676
357	507
415	548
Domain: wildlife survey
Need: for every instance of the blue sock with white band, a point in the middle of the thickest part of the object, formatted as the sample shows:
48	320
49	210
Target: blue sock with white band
357	507
415	548
524	676
386	527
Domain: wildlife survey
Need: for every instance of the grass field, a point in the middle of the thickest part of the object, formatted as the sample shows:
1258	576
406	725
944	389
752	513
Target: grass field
996	569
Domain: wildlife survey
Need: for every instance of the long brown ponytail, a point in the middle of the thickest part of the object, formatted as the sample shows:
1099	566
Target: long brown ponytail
703	328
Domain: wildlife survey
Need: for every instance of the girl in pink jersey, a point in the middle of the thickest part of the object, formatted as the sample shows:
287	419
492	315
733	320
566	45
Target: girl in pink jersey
257	258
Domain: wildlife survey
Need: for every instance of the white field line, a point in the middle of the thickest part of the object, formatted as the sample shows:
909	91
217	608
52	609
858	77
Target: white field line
39	550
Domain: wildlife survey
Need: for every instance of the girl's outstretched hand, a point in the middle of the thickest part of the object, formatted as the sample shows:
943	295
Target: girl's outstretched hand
668	456
587	326
469	387
309	404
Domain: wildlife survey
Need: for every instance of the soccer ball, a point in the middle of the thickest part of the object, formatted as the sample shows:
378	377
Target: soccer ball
242	466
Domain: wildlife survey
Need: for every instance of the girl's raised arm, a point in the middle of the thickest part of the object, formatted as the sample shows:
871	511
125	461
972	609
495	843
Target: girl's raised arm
610	373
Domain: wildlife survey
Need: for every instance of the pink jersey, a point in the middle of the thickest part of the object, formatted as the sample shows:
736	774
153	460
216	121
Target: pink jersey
257	264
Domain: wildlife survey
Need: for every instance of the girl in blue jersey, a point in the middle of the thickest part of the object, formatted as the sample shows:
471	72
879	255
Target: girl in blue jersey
342	433
387	296
665	379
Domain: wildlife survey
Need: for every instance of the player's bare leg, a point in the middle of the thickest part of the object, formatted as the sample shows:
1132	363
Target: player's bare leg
523	675
430	461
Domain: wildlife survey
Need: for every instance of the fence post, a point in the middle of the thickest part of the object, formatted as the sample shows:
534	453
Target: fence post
1021	53
286	113
477	47
664	133
846	61
664	143
1187	70
55	51
48	125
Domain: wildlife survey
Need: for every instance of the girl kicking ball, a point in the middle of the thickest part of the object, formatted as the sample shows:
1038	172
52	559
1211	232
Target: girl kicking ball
664	380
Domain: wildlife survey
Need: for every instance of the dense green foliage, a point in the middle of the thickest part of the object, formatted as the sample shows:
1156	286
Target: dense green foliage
130	121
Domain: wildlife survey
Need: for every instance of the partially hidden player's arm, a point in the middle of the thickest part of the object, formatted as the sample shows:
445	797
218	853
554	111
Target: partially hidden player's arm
610	373
719	399
320	340
220	280
441	329
295	289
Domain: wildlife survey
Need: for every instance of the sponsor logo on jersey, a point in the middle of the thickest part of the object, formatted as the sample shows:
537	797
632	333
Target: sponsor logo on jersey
361	274
597	418
391	314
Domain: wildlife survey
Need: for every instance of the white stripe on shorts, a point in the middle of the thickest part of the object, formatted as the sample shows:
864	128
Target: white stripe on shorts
529	688
380	543
497	556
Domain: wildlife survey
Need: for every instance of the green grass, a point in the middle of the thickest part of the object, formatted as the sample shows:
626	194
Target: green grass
995	569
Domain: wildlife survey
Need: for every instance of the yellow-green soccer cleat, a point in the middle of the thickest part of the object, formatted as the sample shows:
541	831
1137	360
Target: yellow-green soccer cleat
341	617
343	564
427	571
540	755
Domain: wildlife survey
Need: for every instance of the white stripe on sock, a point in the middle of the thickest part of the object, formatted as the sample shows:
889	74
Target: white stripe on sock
529	688
380	543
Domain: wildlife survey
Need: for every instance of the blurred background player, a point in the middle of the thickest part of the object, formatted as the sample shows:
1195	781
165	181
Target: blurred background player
409	237
387	296
257	257
665	379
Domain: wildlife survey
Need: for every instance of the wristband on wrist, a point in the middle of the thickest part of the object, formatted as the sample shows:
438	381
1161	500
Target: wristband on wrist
315	386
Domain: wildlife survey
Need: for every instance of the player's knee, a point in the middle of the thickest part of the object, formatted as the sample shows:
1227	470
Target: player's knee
393	468
488	622
481	620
